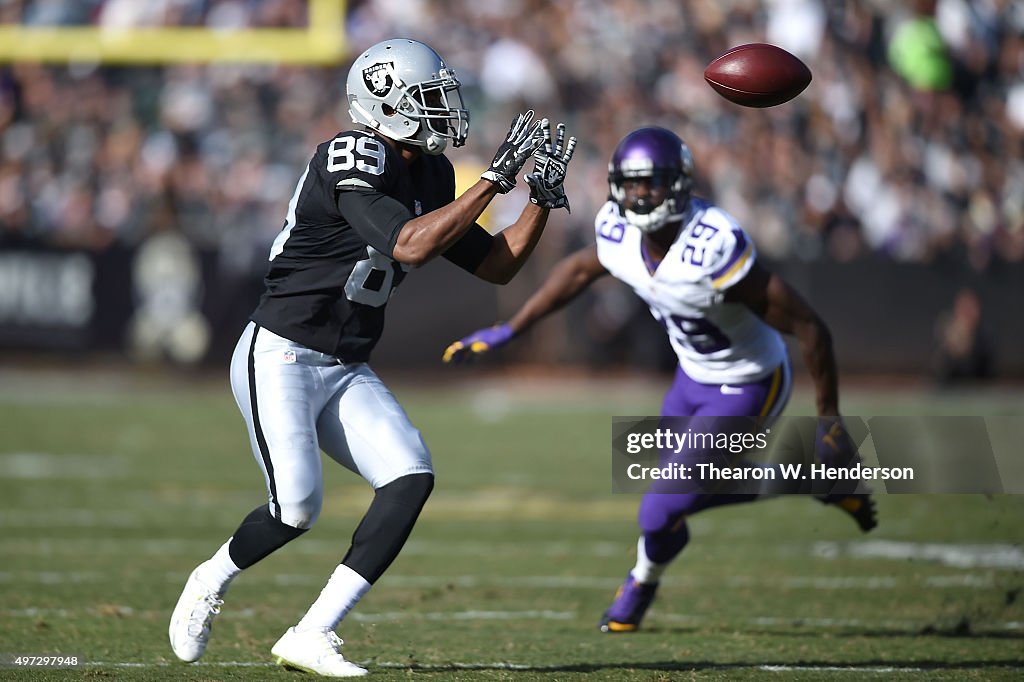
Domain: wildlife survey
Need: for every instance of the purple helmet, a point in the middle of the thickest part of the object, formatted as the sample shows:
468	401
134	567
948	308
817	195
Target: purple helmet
660	155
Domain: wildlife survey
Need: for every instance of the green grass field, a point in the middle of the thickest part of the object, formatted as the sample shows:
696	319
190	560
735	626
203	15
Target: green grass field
113	488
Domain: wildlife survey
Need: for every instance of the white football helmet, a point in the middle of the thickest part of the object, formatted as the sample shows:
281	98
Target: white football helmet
402	89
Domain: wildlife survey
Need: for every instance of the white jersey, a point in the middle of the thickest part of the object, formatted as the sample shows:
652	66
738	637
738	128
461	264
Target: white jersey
716	342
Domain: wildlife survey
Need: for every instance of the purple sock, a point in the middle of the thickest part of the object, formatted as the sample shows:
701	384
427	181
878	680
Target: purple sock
664	546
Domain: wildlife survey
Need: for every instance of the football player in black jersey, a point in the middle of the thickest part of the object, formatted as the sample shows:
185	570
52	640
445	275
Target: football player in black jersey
371	204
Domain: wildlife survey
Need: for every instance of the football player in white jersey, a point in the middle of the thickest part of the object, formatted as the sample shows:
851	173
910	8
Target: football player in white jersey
372	204
697	271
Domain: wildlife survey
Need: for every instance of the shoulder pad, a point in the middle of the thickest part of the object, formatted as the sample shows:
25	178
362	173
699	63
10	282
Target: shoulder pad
609	223
734	255
357	159
726	251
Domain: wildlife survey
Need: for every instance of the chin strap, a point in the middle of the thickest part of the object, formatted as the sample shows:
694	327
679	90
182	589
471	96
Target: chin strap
658	218
650	222
435	144
355	106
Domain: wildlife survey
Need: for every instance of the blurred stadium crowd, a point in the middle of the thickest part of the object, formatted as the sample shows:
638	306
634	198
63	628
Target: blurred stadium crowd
907	144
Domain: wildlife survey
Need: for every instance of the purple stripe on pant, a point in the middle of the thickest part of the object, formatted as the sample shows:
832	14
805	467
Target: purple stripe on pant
662	516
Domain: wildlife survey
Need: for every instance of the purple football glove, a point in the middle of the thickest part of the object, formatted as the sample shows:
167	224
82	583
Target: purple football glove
834	448
478	343
833	445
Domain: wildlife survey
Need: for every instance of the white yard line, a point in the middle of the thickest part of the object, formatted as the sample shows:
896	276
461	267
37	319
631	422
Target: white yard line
838	669
178	546
46	466
503	665
998	556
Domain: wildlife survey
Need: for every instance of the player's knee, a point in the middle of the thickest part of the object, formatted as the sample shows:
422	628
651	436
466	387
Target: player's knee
299	517
302	514
664	513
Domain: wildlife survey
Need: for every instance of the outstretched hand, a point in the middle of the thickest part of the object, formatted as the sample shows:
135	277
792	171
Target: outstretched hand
832	443
550	164
477	343
521	142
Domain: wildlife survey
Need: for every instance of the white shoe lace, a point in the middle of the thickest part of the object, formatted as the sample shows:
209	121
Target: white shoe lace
205	609
331	645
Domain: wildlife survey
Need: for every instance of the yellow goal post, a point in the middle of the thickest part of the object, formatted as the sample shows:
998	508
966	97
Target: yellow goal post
321	42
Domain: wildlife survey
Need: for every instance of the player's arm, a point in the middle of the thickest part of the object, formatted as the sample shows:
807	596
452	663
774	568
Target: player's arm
513	245
778	304
569	278
425	237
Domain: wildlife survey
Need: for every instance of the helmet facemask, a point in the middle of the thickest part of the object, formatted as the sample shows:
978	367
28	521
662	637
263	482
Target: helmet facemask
437	106
651	210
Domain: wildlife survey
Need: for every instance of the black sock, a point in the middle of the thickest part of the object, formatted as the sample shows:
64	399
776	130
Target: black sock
259	535
385	528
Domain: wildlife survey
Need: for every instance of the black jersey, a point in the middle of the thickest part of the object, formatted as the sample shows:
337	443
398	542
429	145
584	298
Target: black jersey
331	271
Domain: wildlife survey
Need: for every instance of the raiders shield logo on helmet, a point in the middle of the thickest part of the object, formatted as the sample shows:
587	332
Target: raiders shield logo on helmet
378	78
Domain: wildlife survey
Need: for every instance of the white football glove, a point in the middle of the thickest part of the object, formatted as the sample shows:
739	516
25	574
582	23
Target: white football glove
522	141
550	163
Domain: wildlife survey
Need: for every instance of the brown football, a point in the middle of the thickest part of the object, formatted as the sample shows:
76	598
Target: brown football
758	75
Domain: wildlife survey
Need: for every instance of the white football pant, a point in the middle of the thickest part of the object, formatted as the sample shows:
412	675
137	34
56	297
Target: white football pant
296	400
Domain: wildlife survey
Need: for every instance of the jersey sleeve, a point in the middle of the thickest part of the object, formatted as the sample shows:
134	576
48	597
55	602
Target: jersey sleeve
474	245
471	249
609	224
376	217
732	256
362	171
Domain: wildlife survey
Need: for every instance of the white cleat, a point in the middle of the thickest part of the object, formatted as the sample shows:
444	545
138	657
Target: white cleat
190	623
315	651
